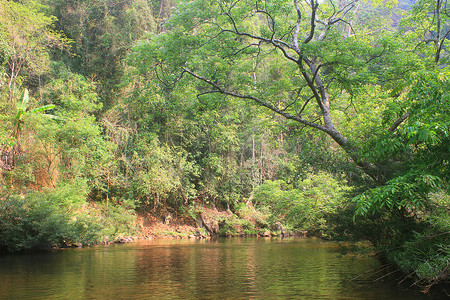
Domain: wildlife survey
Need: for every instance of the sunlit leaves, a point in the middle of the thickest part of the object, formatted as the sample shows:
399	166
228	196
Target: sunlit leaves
429	21
304	207
27	37
403	192
422	143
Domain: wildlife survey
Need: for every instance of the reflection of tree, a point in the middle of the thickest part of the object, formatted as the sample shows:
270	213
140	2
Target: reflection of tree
230	269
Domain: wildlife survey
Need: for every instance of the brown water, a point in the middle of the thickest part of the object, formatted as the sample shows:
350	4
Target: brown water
250	268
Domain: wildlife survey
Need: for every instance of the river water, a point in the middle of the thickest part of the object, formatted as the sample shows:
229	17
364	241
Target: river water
238	268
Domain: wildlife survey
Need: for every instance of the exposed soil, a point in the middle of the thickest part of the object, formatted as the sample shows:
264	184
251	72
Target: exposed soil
200	222
166	224
153	226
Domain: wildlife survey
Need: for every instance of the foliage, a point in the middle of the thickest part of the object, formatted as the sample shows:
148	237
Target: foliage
161	175
422	142
235	226
431	22
22	108
102	32
426	257
260	107
26	39
260	217
57	217
73	147
305	207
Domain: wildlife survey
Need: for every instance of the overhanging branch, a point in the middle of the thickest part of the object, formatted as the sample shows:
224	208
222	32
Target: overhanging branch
219	89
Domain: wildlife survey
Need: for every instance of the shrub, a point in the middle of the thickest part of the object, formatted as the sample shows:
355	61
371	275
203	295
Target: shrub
306	207
426	257
59	217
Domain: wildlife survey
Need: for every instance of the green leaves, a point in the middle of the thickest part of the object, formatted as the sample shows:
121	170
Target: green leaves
420	142
21	113
408	192
58	217
305	207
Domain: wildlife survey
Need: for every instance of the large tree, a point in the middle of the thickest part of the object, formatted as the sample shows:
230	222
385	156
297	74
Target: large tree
302	60
344	68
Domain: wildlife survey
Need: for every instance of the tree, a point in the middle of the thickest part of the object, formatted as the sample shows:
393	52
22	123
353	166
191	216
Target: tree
422	145
103	32
295	59
26	37
431	21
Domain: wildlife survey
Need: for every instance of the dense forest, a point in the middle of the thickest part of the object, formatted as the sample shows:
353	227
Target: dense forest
326	117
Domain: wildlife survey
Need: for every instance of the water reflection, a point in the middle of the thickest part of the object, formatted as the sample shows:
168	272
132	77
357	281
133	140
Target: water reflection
223	269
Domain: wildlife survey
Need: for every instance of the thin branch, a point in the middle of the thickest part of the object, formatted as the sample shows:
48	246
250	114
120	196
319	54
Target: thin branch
304	105
313	22
311	85
386	275
334	8
275	42
271	24
162	80
219	89
441	43
382	267
349	6
246	47
290	104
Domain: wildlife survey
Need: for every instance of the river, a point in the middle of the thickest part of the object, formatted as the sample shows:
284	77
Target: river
237	268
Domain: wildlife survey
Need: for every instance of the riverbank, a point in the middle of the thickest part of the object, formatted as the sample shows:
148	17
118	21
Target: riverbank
201	222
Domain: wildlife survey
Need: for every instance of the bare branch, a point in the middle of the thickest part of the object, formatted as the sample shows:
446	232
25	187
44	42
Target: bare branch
440	43
296	97
275	42
336	16
206	93
334	8
310	83
228	14
279	44
271	24
162	80
344	10
242	49
304	105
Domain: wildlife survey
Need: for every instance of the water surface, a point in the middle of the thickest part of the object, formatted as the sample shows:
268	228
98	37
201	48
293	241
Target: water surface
238	268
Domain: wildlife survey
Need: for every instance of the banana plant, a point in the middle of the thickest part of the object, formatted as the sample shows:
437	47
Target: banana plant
22	111
12	148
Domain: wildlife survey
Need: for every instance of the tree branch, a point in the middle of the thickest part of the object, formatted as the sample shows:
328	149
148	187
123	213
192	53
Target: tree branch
330	130
297	27
398	122
314	7
219	89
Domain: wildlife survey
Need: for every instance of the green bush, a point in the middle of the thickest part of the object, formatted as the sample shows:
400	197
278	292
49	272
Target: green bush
234	226
57	218
306	207
426	257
